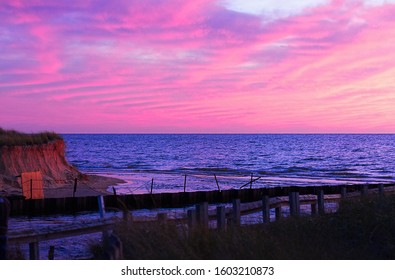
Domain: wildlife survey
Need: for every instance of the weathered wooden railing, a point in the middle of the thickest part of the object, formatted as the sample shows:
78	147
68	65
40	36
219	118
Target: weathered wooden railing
33	237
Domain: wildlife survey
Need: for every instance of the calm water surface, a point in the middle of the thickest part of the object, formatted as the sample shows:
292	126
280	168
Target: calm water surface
280	160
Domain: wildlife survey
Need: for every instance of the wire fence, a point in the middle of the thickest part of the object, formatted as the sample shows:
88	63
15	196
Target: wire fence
191	182
188	182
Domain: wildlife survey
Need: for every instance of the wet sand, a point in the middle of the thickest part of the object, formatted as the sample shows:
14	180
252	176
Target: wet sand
94	185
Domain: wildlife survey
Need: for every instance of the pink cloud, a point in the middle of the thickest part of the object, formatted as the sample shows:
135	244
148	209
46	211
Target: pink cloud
195	66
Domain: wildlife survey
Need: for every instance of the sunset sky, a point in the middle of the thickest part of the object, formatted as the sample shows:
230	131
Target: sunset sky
201	66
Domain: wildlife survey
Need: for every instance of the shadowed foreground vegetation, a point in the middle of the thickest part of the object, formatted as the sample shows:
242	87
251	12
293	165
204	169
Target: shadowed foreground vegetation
361	229
14	138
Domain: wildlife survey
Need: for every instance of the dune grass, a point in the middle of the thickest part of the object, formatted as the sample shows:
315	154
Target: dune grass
361	229
15	138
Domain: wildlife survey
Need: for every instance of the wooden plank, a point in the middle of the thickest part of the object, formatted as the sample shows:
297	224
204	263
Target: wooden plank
34	251
236	214
321	201
60	232
221	218
265	209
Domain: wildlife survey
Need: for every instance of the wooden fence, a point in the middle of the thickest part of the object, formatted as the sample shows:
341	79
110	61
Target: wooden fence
243	202
21	206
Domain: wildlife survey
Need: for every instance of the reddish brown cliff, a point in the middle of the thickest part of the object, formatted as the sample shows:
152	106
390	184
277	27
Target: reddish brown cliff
48	158
58	175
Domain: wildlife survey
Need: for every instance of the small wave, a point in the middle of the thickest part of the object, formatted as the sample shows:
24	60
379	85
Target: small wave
359	150
297	169
313	159
138	166
210	170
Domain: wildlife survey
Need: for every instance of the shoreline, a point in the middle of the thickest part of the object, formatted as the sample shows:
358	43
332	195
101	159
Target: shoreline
91	186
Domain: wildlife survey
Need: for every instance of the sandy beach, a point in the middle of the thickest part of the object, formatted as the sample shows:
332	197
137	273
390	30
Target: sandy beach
94	185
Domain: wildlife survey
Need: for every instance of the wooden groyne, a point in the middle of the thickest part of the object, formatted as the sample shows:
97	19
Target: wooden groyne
21	206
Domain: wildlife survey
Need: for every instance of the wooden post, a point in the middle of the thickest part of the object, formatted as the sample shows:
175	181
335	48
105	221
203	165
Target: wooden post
100	202
152	185
51	253
313	207
278	213
185	182
364	190
191	219
291	203
34	251
321	201
31	188
114	191
75	186
343	191
5	209
221	218
112	246
236	212
265	209
251	180
297	203
381	190
216	180
202	214
294	203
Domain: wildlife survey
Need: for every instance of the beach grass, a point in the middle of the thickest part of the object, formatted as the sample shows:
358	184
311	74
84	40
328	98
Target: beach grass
361	229
15	138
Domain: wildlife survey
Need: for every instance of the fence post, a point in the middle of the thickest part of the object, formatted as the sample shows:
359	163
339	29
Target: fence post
294	204
185	182
113	248
191	219
251	180
343	191
321	201
5	209
202	214
265	209
221	218
75	186
51	253
364	190
278	213
313	207
34	251
216	180
31	188
381	190
236	212
152	185
100	202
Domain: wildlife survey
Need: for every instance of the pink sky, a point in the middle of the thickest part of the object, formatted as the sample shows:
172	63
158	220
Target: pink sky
176	66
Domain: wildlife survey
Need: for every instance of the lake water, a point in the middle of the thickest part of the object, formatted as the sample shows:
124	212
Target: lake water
280	160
